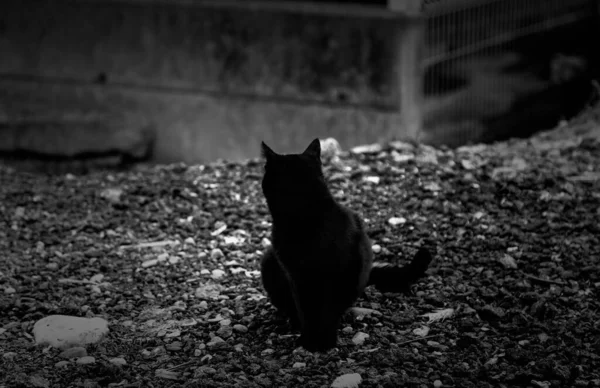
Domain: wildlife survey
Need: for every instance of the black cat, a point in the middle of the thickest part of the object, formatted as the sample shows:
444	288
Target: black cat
321	258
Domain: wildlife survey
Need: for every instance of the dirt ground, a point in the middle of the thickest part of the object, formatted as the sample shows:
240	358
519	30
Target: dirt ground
169	256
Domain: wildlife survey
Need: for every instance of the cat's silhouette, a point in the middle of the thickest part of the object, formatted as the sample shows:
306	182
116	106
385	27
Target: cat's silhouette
320	260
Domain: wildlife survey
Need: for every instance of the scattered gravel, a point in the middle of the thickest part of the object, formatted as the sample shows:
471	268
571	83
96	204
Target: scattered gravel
169	257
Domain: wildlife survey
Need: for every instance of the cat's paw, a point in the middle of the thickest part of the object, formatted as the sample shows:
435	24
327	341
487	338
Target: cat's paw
319	344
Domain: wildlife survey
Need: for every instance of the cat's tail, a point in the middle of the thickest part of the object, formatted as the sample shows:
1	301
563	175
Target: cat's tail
388	277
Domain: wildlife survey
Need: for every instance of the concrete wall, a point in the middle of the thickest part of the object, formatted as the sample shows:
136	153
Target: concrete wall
115	58
212	49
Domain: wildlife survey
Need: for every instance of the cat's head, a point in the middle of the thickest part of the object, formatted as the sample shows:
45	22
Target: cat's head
293	178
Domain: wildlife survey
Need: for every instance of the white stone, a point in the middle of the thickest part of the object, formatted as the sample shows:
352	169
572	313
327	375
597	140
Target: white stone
112	194
63	331
508	261
402	158
216	254
432	186
240	328
190	241
401	146
359	338
216	342
372	179
330	147
367	149
397	221
61	364
119	361
86	360
97	278
149	263
349	380
362	311
421	331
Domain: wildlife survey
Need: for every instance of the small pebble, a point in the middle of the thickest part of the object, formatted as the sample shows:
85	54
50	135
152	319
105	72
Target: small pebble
205	370
190	241
330	147
74	352
119	361
52	266
432	186
97	278
86	360
421	331
216	342
349	380
397	221
217	274
225	331
362	311
146	353
216	254
266	242
299	365
9	355
402	158
219	228
174	346
359	338
149	263
437	384
367	149
376	248
240	328
19	212
372	179
9	290
61	364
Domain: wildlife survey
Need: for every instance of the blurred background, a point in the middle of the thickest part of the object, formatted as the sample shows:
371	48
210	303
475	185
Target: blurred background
94	84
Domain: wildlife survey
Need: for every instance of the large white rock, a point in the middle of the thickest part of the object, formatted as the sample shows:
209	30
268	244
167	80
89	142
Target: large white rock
63	331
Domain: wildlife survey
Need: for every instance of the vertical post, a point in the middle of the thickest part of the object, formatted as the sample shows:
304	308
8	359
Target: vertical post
409	34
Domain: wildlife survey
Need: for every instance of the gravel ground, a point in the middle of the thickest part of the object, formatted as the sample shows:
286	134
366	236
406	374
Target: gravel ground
169	256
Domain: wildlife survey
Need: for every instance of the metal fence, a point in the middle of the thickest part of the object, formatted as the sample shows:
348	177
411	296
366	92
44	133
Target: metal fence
485	57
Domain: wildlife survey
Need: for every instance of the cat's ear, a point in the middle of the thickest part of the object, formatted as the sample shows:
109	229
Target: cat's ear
313	149
266	152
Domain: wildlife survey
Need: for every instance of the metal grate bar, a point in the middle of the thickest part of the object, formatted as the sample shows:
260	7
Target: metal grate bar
507	37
